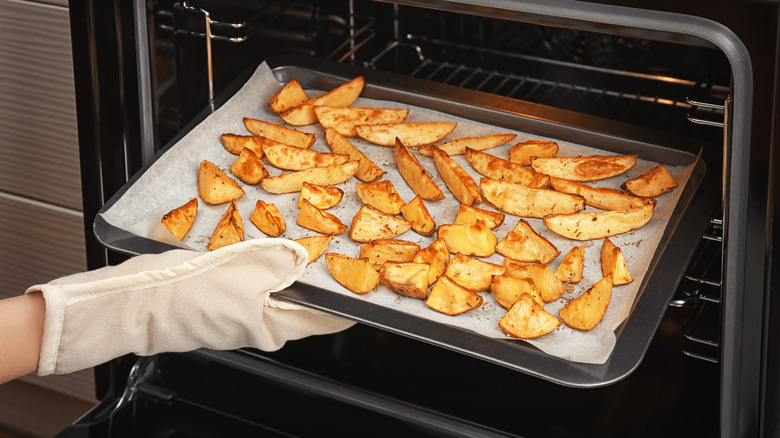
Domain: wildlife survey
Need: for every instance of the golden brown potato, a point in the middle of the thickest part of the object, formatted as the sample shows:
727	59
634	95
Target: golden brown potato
236	143
415	175
459	146
602	198
357	275
524	244
289	157
507	290
380	195
522	152
523	201
315	245
526	319
418	216
179	220
570	269
312	218
322	176
545	281
590	168
587	310
214	186
460	183
341	96
436	256
367	170
468	214
613	264
344	120
411	134
475	239
248	167
291	95
408	279
502	170
322	197
371	224
452	299
281	134
655	182
388	250
588	226
267	219
472	273
229	230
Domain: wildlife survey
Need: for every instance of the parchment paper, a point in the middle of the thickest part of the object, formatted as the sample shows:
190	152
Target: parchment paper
172	180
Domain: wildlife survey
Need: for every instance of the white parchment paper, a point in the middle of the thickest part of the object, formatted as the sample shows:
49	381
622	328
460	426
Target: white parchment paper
172	181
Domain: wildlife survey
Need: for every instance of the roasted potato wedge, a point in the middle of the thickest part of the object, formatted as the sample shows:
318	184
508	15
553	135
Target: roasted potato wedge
341	96
603	198
459	146
587	310
570	269
411	134
367	170
248	167
408	279
502	170
524	244
388	250
507	290
460	183
437	256
371	224
288	157
655	182
415	175
344	120
522	152
323	176
381	195
468	214
588	226
613	264
472	273
315	245
229	230
267	219
416	213
290	96
214	186
357	275
523	201
322	197
583	169
312	218
234	143
545	281
279	133
475	239
179	220
526	319
450	298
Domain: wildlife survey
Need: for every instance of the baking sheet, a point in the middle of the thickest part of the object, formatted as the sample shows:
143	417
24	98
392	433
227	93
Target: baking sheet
171	181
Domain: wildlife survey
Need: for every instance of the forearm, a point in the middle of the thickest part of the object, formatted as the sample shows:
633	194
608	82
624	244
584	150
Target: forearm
21	334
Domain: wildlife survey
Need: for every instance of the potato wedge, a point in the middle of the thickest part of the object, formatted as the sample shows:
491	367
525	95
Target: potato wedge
357	275
344	120
279	133
437	256
472	273
371	224
248	167
367	170
179	220
290	96
523	201
603	198
613	264
459	146
524	244
460	183
526	319
214	186
408	279
381	195
267	219
591	168
655	182
388	250
315	245
236	143
507	290
341	96
411	134
475	239
312	218
323	176
416	213
415	175
289	157
570	269
229	230
587	310
322	197
502	170
468	214
522	152
450	298
545	281
589	226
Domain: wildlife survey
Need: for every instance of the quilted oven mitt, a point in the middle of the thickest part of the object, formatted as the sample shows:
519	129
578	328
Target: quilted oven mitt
178	301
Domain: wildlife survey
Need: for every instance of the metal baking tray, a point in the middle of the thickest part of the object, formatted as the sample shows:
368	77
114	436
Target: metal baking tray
673	252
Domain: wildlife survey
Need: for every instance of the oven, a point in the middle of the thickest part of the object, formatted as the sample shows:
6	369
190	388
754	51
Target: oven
698	355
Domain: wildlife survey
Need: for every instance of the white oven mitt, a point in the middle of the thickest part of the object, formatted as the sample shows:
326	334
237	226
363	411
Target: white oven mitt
178	301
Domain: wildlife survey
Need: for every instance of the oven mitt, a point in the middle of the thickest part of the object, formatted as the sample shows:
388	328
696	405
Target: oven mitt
178	301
